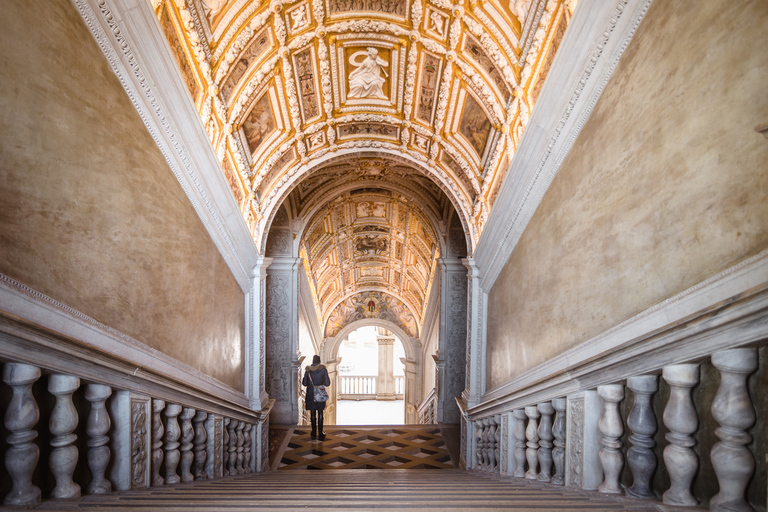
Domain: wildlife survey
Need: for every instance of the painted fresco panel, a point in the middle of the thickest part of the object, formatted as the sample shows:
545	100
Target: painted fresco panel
474	125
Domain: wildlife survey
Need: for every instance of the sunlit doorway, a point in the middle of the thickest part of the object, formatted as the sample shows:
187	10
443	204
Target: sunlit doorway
371	379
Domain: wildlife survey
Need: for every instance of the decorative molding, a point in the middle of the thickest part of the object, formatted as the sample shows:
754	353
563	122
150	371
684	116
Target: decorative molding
156	90
550	133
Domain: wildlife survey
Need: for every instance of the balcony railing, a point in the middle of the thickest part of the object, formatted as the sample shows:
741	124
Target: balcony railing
363	387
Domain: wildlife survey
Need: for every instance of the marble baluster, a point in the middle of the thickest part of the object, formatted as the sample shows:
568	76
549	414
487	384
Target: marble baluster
185	449
520	417
239	450
545	441
247	453
225	448
21	416
612	428
201	438
497	443
532	435
681	420
479	444
157	441
733	410
171	444
232	448
491	444
558	432
642	423
62	425
97	428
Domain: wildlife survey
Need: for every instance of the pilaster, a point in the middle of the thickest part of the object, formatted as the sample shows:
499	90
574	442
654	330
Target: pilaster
255	349
452	338
475	344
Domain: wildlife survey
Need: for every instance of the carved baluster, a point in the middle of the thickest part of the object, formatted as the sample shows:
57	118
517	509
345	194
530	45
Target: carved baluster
497	443
201	437
171	445
62	425
232	448
558	432
681	420
187	437
520	418
612	428
20	419
734	412
247	454
239	449
532	434
642	424
479	443
491	444
97	428
225	448
545	441
157	441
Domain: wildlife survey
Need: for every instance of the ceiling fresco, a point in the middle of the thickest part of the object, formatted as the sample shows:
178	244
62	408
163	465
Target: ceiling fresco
282	84
352	132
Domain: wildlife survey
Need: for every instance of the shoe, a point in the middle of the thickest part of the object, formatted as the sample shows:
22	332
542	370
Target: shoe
321	436
313	435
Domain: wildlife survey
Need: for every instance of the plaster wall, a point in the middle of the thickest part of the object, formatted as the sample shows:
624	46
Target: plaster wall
665	186
91	213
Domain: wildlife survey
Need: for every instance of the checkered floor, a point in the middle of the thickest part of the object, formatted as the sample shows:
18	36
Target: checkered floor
368	448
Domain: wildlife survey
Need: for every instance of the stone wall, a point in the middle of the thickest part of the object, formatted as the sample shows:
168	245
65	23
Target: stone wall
91	213
665	186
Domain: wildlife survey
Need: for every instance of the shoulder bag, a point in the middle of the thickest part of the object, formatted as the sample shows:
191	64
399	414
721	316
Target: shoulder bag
320	395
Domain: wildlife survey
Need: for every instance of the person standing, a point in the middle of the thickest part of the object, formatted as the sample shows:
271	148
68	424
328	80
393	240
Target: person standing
315	375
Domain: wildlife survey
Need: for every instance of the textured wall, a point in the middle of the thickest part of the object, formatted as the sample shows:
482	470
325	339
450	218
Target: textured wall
91	213
665	186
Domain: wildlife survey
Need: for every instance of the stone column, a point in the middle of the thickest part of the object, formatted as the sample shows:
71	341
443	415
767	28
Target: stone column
62	425
97	428
642	424
171	445
21	416
682	422
520	418
532	435
558	432
333	391
452	338
410	382
385	378
157	441
545	441
734	412
612	428
199	446
475	336
255	342
186	442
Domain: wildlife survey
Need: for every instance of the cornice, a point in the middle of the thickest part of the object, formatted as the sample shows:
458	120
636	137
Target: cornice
136	49
607	29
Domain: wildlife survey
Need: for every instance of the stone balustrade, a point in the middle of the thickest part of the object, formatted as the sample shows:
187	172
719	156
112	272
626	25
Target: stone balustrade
581	440
131	442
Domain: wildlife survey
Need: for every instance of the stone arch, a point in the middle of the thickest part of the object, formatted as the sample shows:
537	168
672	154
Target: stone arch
410	345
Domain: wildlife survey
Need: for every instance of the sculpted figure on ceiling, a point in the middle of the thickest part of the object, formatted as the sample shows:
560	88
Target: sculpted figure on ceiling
366	81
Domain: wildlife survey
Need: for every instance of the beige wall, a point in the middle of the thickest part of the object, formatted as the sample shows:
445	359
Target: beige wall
666	185
91	214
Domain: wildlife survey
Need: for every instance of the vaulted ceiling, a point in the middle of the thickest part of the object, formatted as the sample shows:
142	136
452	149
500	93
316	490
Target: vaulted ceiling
373	120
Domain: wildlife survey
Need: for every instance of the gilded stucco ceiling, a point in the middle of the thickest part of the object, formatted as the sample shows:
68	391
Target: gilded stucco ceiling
372	121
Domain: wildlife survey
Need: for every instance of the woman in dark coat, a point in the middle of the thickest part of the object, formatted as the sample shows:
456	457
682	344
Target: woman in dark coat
316	375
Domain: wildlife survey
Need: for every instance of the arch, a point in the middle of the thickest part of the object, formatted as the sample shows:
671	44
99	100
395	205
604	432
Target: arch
410	345
294	175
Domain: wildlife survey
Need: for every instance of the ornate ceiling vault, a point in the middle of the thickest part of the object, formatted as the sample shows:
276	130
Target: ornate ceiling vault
303	100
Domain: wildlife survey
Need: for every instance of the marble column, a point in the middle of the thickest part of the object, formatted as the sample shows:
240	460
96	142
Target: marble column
642	424
97	428
545	441
157	441
247	453
734	412
239	448
385	378
232	448
199	445
558	432
612	428
21	416
186	442
62	425
520	417
681	420
225	448
171	445
532	435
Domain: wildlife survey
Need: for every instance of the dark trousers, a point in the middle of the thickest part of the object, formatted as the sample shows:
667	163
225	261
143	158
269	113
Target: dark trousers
317	421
